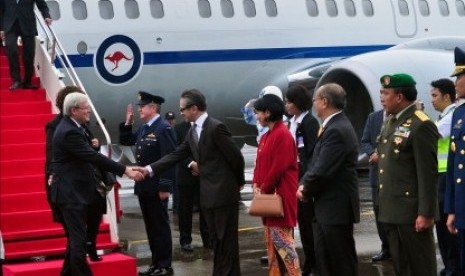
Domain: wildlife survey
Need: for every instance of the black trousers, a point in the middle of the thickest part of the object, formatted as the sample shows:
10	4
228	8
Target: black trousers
305	215
12	52
157	226
186	197
379	225
413	253
335	249
222	225
94	217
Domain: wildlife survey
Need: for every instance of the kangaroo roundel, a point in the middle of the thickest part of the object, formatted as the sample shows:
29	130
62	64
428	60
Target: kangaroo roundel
118	60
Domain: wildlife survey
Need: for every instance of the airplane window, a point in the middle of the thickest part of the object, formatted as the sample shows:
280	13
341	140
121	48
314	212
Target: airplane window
106	9
156	9
350	8
132	9
367	8
227	8
204	8
424	7
331	8
79	9
443	8
312	8
54	9
460	7
271	9
249	8
403	8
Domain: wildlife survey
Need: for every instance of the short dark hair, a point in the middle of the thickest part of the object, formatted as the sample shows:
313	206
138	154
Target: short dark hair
445	86
194	97
273	104
60	99
334	93
410	93
300	97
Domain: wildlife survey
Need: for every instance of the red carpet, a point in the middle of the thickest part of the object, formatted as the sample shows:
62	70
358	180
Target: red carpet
25	218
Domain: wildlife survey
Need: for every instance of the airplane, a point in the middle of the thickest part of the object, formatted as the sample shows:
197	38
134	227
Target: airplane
231	49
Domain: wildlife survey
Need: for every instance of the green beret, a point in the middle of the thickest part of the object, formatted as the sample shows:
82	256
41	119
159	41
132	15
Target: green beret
397	80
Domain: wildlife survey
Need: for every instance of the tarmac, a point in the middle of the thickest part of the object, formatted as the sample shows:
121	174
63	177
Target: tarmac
251	242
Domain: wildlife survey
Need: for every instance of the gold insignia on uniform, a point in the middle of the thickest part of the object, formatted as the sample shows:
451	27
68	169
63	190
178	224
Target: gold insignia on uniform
387	80
452	146
396	151
398	140
421	115
409	121
151	135
406	125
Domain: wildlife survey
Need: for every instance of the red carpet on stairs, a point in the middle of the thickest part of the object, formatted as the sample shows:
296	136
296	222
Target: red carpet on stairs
25	218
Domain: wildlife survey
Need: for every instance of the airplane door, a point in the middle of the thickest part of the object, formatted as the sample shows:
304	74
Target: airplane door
405	18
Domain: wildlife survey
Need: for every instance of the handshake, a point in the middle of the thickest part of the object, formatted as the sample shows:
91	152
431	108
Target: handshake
136	173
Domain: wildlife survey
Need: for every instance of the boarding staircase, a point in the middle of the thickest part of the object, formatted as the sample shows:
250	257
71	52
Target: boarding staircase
34	244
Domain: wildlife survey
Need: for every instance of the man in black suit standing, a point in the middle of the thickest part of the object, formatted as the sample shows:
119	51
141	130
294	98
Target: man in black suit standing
331	179
369	146
17	18
74	179
220	166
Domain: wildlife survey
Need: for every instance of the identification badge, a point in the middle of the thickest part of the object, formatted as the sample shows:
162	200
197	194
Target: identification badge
300	142
402	131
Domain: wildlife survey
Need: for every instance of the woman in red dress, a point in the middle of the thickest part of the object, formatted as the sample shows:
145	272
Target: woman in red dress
276	170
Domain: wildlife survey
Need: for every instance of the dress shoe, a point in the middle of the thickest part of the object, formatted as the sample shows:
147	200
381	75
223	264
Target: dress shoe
92	252
15	85
381	256
30	86
163	271
187	248
149	271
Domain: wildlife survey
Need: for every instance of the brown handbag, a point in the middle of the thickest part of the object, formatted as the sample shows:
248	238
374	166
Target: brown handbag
266	205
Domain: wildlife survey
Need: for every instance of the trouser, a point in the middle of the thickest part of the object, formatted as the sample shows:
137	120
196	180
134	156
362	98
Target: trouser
11	43
185	212
379	225
305	215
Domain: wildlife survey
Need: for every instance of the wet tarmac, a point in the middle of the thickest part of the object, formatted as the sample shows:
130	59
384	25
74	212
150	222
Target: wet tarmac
200	262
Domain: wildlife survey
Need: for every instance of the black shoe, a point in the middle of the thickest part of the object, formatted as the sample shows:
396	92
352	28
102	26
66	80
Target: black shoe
264	260
15	85
30	86
381	256
149	271
163	271
187	248
92	252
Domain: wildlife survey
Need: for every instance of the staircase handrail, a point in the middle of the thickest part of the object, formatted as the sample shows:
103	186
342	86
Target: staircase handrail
58	53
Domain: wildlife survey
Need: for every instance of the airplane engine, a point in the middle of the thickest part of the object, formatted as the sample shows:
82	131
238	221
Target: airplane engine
360	77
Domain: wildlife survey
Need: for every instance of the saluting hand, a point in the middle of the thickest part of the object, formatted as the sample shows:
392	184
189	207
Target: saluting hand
129	114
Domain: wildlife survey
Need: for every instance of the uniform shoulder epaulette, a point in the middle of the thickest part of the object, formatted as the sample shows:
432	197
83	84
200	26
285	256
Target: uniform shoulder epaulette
421	115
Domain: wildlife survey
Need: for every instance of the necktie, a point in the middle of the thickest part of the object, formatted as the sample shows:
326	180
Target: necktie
320	131
195	134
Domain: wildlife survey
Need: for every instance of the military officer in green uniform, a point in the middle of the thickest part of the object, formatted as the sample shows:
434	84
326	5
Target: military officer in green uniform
407	187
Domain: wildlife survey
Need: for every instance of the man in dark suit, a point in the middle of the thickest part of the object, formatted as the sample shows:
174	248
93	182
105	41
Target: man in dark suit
17	18
220	166
188	190
408	170
369	146
154	139
331	179
74	179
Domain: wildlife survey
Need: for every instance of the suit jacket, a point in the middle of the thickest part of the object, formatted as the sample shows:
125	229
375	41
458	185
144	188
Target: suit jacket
306	135
369	141
184	175
408	168
151	144
331	178
10	11
454	202
74	163
49	131
221	164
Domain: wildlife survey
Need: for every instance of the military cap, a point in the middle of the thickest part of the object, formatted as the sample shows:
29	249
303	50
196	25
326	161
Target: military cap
459	62
146	98
397	80
170	115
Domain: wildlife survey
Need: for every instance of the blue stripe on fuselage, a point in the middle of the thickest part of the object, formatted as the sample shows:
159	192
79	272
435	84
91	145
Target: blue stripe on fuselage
204	56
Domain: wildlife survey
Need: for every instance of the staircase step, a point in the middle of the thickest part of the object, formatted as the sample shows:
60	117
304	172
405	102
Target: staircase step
5	82
25	108
22	184
25	167
22	95
25	121
14	151
26	202
112	264
48	247
28	136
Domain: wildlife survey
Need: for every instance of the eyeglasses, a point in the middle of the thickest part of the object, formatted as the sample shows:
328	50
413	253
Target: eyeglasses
184	108
83	108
